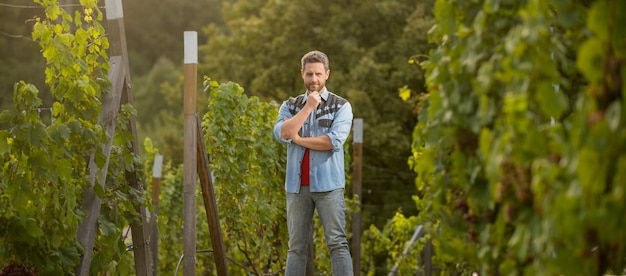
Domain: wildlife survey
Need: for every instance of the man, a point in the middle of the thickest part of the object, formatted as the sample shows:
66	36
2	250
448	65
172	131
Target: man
315	126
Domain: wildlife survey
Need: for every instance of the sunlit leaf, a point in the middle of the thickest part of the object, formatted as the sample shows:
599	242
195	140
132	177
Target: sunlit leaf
404	93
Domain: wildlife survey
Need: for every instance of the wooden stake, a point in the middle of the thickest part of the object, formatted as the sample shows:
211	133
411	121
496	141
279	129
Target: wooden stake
357	160
119	75
213	219
139	228
190	154
91	203
156	190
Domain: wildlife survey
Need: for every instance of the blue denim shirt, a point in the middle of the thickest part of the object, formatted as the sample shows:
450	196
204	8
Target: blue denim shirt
333	117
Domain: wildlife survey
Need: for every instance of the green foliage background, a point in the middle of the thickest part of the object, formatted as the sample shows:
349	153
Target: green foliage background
517	138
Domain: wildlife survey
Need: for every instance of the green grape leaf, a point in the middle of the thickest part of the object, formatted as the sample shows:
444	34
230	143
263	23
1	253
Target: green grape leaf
551	100
590	57
99	190
32	227
106	227
444	12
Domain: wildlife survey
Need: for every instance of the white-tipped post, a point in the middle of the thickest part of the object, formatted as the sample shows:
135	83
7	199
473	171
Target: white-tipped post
358	130
113	9
191	47
357	161
190	154
158	166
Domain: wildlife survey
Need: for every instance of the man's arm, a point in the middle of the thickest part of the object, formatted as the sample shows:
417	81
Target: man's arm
292	126
320	143
335	138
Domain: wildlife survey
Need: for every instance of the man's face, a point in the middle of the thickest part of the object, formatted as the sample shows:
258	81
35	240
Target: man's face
315	76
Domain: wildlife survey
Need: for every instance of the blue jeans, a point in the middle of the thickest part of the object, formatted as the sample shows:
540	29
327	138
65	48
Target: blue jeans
331	210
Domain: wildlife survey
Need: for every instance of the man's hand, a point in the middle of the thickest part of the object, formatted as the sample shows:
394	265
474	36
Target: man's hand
313	99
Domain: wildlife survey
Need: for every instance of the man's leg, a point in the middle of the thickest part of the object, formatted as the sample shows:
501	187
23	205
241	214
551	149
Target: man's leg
299	224
332	212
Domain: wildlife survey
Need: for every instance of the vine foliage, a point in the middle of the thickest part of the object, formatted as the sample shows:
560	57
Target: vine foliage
520	146
44	163
248	170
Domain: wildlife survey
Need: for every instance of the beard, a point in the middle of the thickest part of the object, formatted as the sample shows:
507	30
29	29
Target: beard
314	86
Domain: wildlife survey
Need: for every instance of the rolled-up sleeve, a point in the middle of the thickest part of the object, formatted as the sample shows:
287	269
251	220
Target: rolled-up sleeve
283	114
340	129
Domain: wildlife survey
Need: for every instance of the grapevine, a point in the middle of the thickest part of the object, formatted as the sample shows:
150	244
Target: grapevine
519	148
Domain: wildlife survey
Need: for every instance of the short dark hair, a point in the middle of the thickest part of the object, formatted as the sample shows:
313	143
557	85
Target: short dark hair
315	56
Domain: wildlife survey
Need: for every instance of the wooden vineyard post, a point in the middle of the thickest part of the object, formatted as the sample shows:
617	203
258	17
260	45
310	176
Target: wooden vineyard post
91	203
156	190
190	155
119	76
140	230
357	161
